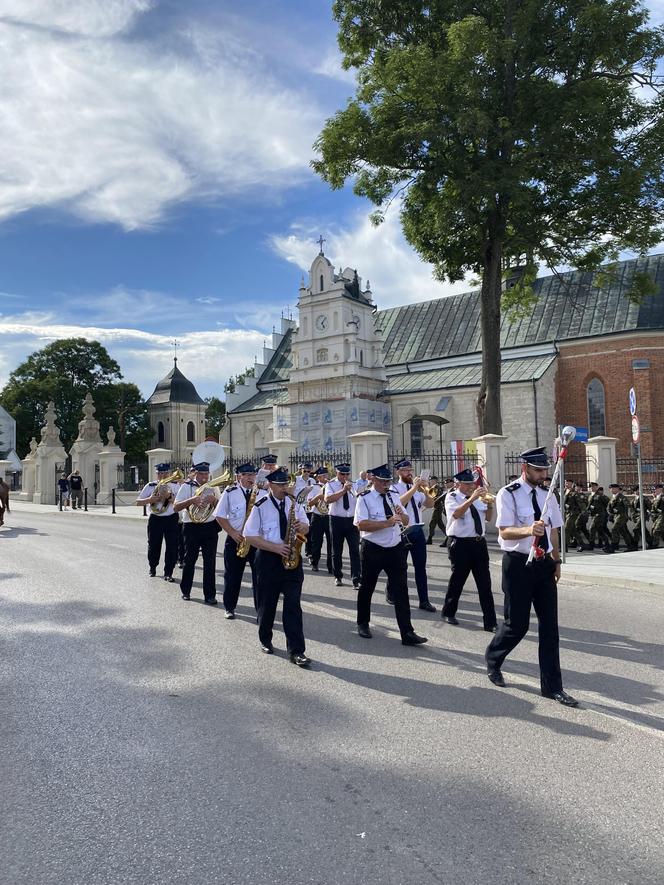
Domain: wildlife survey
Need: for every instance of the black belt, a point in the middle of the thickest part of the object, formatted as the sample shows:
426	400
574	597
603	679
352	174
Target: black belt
471	538
518	555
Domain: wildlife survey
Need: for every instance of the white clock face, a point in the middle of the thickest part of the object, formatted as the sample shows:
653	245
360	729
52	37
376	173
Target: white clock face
321	323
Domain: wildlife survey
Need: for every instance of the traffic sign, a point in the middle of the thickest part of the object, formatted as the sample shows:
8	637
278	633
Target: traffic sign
636	429
632	401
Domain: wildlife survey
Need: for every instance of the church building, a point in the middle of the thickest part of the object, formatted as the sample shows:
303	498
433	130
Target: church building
177	415
346	366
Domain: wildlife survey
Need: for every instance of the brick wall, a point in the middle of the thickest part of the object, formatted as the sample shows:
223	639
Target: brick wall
611	360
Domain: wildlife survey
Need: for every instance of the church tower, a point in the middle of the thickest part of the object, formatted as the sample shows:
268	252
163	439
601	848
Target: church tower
337	370
177	415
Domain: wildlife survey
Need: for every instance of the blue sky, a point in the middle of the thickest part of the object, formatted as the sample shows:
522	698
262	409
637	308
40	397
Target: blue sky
156	179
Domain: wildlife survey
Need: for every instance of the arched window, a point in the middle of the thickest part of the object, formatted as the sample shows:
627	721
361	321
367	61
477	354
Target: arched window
596	408
160	432
322	283
361	358
416	438
191	432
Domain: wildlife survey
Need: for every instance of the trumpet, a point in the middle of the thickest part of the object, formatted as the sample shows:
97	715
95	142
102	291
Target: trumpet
482	483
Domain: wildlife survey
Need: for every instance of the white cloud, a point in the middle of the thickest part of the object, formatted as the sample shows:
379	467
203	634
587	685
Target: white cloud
207	358
117	129
330	66
380	254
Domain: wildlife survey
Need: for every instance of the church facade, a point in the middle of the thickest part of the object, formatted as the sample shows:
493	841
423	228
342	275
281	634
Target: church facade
346	366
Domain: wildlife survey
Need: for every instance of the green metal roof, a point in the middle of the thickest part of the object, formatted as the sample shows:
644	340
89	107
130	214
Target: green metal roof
513	372
264	399
280	364
569	307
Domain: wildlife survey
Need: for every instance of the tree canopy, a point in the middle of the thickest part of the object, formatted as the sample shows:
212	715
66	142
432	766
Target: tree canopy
215	416
64	371
511	132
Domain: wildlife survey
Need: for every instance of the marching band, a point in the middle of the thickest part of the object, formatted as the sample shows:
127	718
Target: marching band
268	515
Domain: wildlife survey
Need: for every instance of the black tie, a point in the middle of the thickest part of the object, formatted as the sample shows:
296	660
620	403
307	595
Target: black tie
283	521
476	520
346	501
386	506
542	540
415	507
247	495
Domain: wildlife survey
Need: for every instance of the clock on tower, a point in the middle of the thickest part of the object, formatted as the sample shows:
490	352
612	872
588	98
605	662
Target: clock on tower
321	322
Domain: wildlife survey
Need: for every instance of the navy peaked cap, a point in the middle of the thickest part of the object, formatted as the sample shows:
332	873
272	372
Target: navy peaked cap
245	468
163	466
322	471
342	468
465	475
305	465
279	476
382	472
536	457
269	459
202	467
403	463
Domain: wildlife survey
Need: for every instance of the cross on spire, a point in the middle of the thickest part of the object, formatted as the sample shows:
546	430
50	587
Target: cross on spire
320	242
175	344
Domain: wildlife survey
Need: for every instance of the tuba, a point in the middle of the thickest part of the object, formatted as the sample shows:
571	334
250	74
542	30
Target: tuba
202	514
165	494
294	540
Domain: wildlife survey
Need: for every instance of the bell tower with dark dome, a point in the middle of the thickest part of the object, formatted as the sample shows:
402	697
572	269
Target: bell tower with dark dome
177	415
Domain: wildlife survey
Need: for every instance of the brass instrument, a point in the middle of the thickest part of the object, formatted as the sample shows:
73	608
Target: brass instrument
482	483
165	494
202	514
244	546
294	539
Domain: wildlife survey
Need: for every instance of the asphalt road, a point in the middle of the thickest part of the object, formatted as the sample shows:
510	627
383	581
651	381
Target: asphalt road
147	740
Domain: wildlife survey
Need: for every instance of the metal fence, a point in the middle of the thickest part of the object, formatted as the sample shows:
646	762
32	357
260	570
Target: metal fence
651	468
131	478
443	465
576	467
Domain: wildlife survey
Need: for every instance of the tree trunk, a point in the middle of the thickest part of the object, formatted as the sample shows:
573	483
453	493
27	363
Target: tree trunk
489	417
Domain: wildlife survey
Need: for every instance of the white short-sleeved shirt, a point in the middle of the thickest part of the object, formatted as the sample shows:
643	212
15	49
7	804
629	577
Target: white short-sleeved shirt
414	514
370	506
302	483
314	492
464	526
188	490
148	490
264	518
233	505
514	507
337	507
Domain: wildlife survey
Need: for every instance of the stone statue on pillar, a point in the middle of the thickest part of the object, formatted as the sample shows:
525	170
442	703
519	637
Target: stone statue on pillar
48	454
85	450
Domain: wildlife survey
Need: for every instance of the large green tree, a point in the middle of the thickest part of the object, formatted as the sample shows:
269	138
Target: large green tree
64	371
215	416
511	132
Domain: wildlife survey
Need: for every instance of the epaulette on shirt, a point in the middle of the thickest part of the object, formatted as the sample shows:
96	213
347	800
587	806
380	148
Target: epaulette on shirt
232	487
153	483
514	487
363	492
260	501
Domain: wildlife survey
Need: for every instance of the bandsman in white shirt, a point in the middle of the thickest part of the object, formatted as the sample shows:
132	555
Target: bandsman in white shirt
162	524
519	519
199	537
268	464
467	515
303	482
415	501
340	496
266	529
380	519
231	514
320	523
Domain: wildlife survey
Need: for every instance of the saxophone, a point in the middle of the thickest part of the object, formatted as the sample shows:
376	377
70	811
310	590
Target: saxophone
294	540
244	545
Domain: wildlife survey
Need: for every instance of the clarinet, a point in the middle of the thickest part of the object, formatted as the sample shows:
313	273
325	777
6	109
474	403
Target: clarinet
403	529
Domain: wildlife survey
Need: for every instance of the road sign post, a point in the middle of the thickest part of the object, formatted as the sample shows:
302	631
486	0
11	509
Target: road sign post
636	438
563	542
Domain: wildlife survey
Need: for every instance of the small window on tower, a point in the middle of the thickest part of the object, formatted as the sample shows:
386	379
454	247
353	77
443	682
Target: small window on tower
160	432
322	283
191	432
321	355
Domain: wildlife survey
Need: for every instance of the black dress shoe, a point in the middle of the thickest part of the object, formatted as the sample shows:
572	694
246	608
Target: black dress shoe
491	629
444	544
356	585
168	578
562	697
364	631
451	620
413	639
338	582
210	602
427	607
230	616
267	649
314	568
496	677
429	542
186	597
300	660
153	573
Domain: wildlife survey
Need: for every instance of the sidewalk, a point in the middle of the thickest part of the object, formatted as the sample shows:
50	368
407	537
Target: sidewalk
123	511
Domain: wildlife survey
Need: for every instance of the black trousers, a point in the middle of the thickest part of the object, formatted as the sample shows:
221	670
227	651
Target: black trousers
436	522
234	567
524	586
272	579
418	556
163	528
469	555
394	562
200	538
342	529
320	528
181	541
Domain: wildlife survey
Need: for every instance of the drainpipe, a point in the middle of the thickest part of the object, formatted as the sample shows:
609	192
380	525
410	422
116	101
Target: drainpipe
535	409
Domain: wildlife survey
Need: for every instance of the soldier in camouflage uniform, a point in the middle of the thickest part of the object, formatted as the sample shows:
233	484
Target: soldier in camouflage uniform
582	520
618	511
597	507
635	516
573	510
657	511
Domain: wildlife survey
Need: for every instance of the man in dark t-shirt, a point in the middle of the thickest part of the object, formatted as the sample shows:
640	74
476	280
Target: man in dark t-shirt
76	487
63	487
